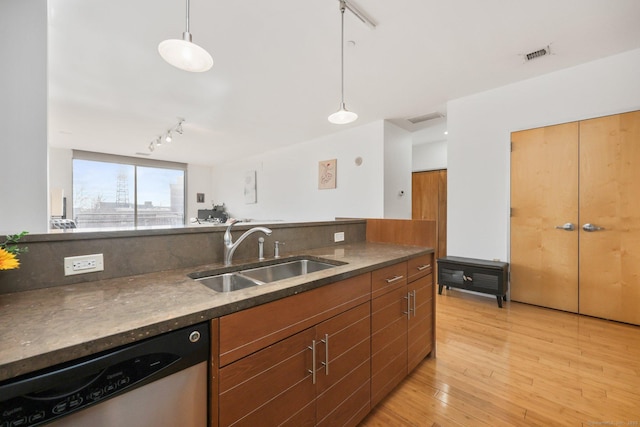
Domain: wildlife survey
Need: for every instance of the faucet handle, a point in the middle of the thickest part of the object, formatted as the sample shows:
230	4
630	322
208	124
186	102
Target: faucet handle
260	248
276	248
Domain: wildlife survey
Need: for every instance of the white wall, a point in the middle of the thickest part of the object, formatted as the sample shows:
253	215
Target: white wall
24	201
397	172
60	174
479	140
287	179
429	156
199	180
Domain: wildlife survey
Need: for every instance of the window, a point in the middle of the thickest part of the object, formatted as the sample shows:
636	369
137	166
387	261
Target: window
125	192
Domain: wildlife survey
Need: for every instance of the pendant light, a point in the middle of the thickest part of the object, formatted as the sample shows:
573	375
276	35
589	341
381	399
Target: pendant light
185	54
342	116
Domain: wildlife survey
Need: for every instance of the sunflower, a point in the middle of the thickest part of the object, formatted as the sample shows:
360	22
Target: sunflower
8	261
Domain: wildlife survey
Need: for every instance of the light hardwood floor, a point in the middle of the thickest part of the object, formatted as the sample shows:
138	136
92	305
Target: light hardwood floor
519	366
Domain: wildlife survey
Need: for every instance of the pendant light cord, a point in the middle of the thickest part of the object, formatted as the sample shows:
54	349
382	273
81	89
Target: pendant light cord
187	16
342	7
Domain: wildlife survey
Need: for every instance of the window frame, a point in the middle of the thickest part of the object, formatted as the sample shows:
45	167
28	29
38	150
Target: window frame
136	162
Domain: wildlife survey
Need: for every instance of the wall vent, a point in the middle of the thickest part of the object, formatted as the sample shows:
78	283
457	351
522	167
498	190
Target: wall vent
425	117
142	154
537	53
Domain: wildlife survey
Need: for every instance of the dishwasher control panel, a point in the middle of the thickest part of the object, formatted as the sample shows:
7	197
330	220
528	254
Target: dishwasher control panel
75	394
68	388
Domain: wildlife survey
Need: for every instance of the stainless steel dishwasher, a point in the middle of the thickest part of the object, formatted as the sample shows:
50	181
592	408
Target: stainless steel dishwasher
161	381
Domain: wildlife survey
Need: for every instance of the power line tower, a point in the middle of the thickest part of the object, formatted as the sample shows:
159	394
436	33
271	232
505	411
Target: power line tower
122	193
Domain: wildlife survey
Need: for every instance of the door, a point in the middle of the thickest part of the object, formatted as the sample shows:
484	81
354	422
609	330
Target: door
429	201
544	197
610	201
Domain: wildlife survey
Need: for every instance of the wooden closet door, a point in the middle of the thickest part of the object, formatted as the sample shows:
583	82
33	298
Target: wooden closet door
610	198
544	195
429	201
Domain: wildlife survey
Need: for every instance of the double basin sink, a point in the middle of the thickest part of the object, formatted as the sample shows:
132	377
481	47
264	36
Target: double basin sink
269	272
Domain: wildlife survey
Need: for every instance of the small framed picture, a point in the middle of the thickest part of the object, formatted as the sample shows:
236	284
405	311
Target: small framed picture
200	197
327	173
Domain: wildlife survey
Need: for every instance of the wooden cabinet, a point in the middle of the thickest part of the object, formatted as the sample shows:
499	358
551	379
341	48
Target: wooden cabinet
388	342
320	375
326	356
270	387
420	327
401	322
343	368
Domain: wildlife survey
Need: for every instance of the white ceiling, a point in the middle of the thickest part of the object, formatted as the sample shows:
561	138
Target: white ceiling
276	72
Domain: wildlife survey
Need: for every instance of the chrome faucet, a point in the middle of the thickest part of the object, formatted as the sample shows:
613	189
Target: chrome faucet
230	247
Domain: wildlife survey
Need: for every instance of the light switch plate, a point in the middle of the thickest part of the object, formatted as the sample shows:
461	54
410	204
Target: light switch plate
338	237
83	264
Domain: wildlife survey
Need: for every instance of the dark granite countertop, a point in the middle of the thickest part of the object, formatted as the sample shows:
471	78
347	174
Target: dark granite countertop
44	327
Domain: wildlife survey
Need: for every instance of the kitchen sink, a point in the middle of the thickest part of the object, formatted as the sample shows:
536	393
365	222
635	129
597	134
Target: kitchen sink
228	282
272	273
256	275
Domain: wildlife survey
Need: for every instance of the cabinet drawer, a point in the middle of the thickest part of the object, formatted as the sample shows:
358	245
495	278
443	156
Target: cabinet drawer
388	278
420	266
249	330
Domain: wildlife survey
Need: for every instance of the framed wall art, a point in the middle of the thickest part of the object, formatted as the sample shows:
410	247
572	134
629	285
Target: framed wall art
327	174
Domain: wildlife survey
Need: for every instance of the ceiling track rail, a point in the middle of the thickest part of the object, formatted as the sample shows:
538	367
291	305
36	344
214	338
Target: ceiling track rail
358	13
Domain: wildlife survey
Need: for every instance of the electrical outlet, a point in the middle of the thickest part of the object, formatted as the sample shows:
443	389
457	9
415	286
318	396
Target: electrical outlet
338	237
83	264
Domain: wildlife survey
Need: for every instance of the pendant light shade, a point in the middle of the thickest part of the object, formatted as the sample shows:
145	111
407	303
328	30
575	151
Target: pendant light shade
342	116
184	54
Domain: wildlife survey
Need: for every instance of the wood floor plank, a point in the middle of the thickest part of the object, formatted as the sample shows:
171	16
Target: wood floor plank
519	366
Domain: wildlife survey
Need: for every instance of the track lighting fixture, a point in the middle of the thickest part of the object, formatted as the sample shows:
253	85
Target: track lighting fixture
168	137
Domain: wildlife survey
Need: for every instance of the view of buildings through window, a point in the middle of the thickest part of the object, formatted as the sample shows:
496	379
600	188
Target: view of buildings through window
125	195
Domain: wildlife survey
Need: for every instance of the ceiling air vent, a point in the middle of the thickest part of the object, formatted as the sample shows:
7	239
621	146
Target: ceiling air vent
425	117
537	53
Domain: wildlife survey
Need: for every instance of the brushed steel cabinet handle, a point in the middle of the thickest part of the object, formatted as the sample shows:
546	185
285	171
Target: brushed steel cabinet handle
326	354
414	303
423	267
566	227
313	361
408	312
591	227
394	279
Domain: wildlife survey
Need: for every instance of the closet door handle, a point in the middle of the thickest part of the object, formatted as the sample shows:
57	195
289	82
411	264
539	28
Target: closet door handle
567	227
591	227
